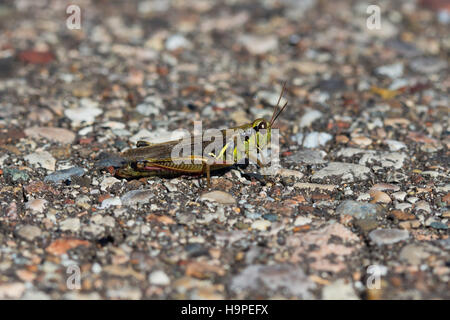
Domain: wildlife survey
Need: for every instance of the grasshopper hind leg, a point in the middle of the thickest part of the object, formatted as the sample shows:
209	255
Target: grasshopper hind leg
207	169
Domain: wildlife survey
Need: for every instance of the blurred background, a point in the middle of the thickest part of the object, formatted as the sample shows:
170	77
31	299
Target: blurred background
366	134
207	56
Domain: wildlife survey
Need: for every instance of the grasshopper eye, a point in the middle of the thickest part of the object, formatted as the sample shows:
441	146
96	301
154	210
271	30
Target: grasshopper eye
259	126
262	125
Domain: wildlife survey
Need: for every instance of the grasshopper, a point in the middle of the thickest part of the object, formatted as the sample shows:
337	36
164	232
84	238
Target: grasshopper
149	159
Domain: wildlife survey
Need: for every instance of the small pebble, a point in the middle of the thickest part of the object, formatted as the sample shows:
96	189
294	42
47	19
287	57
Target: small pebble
403	206
110	202
400	196
309	117
422	205
36	205
380	196
70	224
43	159
135	197
108	182
29	232
177	41
63	175
85	114
258	44
438	225
53	134
16	174
412	199
339	290
261	225
393	71
159	278
395	145
316	139
218	196
388	236
348	172
301	221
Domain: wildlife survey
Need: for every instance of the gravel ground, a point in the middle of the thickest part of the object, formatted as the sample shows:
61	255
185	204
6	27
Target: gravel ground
359	210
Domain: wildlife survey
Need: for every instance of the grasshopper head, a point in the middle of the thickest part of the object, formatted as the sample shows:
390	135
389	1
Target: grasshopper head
260	124
262	129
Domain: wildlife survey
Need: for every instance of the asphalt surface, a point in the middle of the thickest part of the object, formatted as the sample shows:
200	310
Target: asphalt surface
359	208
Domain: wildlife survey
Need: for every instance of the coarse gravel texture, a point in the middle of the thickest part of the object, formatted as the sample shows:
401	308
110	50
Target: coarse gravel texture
359	210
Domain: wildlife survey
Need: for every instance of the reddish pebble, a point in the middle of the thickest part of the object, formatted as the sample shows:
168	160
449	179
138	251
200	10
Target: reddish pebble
86	140
103	197
36	57
61	246
446	198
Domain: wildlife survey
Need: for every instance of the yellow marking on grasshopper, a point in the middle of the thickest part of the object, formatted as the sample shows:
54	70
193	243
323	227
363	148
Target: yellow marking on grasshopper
156	159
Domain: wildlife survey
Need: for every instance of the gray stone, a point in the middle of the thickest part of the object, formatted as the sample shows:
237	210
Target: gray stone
406	49
29	232
177	41
316	139
395	145
218	196
388	236
339	290
157	136
16	174
42	159
159	278
309	117
413	254
36	205
422	205
135	197
445	243
348	172
428	65
359	210
351	152
70	224
290	173
386	159
110	202
63	175
108	182
151	105
93	229
86	113
258	44
54	134
307	157
438	225
392	71
289	278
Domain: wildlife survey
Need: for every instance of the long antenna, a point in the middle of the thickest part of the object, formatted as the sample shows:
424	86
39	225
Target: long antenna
278	113
278	102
